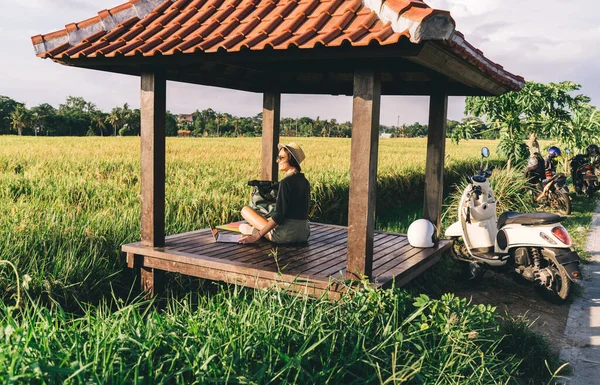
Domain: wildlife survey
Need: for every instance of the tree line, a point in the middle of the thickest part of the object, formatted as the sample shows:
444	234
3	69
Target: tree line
548	111
79	117
74	117
552	111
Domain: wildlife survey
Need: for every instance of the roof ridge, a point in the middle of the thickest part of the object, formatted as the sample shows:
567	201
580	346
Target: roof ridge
421	21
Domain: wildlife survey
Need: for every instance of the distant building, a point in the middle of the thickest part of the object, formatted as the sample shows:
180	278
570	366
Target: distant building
185	118
385	135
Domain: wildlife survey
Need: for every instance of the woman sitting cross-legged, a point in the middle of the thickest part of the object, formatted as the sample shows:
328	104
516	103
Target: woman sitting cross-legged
289	223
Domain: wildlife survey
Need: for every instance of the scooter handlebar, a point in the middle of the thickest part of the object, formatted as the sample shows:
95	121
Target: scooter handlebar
488	172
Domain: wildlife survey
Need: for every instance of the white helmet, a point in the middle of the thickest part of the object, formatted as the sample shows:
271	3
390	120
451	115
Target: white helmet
422	233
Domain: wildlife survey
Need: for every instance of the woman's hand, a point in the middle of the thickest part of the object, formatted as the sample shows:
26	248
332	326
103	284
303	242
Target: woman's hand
250	238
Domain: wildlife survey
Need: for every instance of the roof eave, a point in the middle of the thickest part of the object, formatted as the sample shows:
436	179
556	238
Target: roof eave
469	70
106	20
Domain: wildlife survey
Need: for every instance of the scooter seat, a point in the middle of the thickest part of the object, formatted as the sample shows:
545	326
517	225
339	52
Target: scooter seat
528	218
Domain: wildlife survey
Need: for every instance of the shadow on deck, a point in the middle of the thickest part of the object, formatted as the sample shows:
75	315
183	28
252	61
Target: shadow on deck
315	267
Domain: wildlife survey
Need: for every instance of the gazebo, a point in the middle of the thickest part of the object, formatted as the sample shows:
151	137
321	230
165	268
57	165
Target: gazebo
363	48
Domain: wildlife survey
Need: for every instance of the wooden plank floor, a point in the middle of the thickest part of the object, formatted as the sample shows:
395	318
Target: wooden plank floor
319	264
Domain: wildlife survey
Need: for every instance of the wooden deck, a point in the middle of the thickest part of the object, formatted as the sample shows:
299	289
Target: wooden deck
313	267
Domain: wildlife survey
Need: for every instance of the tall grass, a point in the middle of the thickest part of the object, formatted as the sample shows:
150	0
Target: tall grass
67	205
258	337
511	189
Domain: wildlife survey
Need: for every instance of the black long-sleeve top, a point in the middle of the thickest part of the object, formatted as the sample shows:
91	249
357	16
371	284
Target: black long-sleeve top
293	198
550	164
535	166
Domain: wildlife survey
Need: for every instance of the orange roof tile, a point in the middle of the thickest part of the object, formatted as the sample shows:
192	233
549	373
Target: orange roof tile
165	27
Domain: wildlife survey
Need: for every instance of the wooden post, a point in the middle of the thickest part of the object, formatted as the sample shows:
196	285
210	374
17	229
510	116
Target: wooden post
153	110
270	135
153	107
436	148
363	174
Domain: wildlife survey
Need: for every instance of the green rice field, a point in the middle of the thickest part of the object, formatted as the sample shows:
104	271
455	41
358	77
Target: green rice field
68	204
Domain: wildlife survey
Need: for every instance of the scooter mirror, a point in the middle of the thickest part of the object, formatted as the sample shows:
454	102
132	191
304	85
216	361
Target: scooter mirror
485	152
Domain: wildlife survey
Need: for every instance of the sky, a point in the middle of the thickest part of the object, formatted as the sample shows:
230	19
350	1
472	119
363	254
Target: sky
541	40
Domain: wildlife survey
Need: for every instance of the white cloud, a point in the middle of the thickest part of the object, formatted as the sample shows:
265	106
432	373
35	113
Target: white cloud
68	5
465	8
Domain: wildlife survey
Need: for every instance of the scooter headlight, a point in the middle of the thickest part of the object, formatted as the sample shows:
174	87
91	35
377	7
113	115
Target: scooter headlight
562	235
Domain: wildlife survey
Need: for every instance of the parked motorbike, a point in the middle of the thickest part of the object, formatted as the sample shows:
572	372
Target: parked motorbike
584	176
534	245
555	194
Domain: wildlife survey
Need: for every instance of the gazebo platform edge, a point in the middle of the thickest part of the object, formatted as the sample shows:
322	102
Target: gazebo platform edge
315	268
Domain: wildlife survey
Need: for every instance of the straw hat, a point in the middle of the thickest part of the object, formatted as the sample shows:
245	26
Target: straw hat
295	150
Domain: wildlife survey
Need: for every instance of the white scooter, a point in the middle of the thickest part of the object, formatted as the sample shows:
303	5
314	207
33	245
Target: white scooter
534	245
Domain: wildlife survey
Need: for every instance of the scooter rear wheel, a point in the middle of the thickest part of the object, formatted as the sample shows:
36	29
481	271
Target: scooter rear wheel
591	190
560	285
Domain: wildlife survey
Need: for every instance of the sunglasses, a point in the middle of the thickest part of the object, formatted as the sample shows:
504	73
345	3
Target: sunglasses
280	158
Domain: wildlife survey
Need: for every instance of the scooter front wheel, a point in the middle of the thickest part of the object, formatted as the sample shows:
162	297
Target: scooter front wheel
459	251
470	269
474	271
560	202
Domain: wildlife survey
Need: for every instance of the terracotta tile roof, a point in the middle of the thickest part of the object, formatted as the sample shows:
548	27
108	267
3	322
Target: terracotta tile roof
166	27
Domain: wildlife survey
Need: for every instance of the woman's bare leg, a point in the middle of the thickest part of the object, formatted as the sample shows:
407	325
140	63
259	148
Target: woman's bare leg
255	219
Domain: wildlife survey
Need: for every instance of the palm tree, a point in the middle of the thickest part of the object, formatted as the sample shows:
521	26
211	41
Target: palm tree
218	117
221	118
43	117
237	123
35	120
20	118
114	118
119	116
99	120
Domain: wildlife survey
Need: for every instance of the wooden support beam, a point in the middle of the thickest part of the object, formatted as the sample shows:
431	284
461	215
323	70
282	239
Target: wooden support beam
270	135
363	174
436	148
130	260
152	280
402	49
153	107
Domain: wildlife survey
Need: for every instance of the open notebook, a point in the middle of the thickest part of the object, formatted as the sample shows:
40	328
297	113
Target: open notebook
226	236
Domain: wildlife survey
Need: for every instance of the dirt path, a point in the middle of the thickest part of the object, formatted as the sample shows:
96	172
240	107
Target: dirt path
517	298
